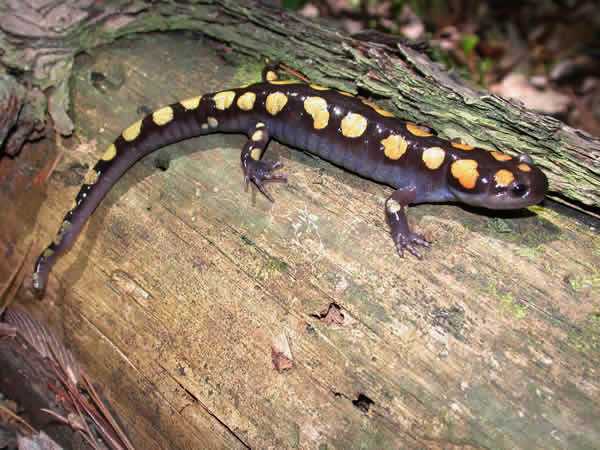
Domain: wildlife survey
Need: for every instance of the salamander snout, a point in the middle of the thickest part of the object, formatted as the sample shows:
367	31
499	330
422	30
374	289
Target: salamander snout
511	184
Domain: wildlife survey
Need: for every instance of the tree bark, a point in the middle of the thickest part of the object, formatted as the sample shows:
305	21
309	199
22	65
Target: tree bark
42	41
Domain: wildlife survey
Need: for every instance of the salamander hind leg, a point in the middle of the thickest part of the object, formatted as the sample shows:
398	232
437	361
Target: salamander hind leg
256	171
270	71
395	214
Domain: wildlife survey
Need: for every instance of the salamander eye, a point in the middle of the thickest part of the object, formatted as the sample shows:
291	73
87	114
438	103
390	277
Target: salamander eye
519	190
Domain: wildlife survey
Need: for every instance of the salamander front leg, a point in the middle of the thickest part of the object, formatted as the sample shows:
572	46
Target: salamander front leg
396	218
256	171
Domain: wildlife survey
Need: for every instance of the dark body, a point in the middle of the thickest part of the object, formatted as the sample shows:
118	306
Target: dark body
338	127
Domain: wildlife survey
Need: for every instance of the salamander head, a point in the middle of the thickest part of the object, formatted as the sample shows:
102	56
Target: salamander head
497	181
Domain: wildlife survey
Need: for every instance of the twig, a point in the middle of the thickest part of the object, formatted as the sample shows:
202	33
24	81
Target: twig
19	419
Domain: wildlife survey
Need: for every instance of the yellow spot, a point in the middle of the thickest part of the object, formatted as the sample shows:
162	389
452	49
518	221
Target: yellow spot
353	125
212	122
47	253
191	103
285	82
378	109
524	167
271	76
132	132
255	153
499	156
347	94
461	146
393	206
394	146
465	171
246	101
275	102
223	100
317	108
433	157
110	153
162	116
91	177
319	87
504	177
260	125
258	135
418	130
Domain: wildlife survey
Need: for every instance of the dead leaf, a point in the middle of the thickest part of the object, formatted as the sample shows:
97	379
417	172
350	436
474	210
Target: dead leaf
548	101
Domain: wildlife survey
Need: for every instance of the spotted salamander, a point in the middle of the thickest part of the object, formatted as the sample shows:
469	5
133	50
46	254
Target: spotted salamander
338	127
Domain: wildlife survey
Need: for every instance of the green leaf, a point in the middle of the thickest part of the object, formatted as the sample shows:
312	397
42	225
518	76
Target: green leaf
468	43
293	4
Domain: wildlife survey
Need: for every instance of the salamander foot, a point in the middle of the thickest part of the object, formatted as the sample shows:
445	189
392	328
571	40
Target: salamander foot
261	172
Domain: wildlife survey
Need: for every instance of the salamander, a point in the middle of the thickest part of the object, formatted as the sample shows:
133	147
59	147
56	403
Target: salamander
348	131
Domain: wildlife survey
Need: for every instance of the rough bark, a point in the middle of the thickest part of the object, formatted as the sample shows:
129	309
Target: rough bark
41	39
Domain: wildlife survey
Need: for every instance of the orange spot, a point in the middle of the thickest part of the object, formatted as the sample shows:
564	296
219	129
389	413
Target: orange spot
353	125
499	156
524	167
258	136
317	108
378	109
246	101
417	130
255	153
285	81
461	146
433	157
504	177
91	177
275	102
191	103
465	171
111	151
162	116
394	146
131	133
224	99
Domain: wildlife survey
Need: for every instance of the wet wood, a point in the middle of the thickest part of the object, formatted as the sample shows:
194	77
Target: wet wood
216	322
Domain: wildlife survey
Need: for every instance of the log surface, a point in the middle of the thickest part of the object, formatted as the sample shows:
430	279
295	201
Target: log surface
184	298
